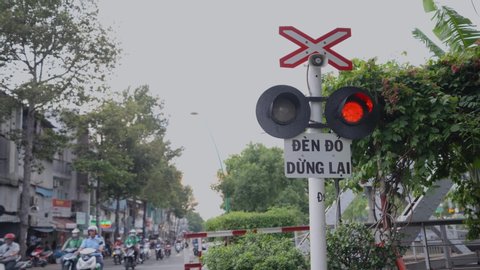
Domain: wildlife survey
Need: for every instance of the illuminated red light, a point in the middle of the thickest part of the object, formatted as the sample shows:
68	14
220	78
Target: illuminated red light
366	99
352	112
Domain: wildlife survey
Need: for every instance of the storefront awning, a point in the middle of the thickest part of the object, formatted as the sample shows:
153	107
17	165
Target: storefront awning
42	229
64	223
45	192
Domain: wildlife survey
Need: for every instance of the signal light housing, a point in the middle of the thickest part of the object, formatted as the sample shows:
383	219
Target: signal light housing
351	112
283	111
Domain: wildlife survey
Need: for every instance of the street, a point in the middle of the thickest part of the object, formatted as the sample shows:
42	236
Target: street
175	262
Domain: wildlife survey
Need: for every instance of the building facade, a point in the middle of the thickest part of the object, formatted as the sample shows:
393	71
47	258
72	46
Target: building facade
58	194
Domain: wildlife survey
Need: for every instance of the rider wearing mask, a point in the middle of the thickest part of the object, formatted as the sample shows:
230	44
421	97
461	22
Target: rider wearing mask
73	242
132	239
94	241
9	251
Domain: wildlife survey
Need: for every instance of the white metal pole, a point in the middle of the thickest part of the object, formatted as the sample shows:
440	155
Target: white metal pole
316	186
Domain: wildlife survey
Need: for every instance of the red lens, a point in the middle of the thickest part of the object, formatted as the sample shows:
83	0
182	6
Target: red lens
352	112
366	99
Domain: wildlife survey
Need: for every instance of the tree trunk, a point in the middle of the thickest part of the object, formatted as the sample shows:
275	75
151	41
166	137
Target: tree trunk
134	214
97	207
117	218
27	137
144	229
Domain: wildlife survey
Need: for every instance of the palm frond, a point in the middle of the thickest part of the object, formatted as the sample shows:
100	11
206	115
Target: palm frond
454	30
429	6
419	35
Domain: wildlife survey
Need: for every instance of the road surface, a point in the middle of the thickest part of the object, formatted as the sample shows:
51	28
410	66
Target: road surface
175	262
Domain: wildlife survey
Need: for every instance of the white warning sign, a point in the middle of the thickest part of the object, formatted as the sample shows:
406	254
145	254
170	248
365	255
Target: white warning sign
318	155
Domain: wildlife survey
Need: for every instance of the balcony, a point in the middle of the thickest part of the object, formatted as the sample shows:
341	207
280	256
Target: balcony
62	167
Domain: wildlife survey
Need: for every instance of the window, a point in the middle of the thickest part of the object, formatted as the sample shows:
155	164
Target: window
3	156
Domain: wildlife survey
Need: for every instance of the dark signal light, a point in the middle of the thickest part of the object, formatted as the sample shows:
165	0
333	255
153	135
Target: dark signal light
283	111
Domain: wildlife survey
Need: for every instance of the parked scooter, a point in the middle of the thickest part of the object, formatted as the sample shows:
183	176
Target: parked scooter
69	259
19	264
87	260
117	254
129	257
159	251
40	256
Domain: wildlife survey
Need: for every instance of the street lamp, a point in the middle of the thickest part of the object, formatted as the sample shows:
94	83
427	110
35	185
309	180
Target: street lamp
227	199
213	142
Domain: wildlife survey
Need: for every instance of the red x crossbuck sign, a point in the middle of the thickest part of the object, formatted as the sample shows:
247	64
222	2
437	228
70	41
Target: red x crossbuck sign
309	46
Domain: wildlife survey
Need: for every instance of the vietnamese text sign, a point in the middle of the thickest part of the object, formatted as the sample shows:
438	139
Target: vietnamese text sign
318	155
61	208
81	218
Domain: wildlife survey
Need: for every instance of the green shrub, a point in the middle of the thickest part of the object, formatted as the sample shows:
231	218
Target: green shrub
275	217
352	246
256	252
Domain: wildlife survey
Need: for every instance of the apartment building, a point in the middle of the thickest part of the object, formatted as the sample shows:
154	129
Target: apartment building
59	197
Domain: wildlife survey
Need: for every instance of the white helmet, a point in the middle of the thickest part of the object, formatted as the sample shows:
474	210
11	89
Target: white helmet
75	231
92	228
132	231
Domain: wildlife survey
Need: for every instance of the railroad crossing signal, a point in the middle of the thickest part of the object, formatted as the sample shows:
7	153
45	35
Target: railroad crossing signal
351	112
308	46
284	112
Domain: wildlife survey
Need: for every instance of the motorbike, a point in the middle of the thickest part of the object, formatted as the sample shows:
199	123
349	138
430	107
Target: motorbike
178	247
19	264
129	257
69	259
145	252
158	251
87	260
40	256
196	251
168	250
117	255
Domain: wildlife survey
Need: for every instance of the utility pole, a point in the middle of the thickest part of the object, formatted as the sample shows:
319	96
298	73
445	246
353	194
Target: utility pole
316	186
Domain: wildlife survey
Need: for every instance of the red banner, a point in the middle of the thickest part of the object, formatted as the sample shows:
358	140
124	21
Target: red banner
61	203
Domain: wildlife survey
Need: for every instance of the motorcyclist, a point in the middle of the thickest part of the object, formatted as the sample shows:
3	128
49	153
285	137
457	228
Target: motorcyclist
9	251
133	239
118	242
73	242
94	241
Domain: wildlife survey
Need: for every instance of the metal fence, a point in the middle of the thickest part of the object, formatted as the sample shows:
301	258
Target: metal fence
440	244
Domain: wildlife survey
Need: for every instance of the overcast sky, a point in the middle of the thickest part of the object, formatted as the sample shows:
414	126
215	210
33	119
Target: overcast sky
216	57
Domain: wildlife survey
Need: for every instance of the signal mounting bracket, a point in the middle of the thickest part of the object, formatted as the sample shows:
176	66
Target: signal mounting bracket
317	99
317	125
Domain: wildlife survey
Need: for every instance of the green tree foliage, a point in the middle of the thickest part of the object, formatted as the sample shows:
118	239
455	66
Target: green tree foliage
52	52
195	221
274	217
352	246
451	28
255	181
256	252
127	154
431	123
